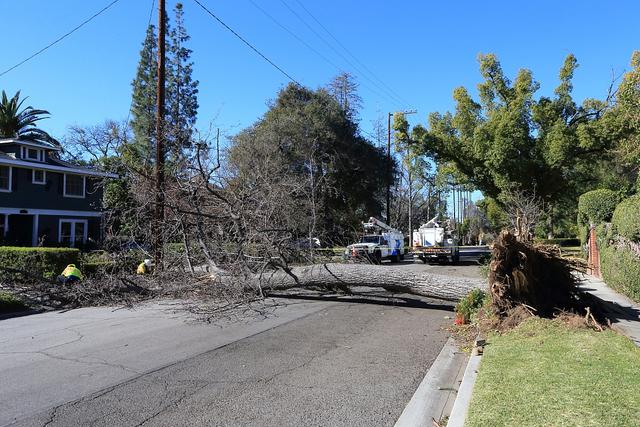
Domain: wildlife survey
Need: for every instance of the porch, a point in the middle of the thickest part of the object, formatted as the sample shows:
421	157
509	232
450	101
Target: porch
40	227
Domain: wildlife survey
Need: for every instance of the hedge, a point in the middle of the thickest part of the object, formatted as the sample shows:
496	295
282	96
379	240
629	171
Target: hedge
596	206
46	262
626	218
563	242
96	263
621	270
620	265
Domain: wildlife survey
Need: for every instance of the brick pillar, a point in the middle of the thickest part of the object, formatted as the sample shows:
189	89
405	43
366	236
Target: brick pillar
594	254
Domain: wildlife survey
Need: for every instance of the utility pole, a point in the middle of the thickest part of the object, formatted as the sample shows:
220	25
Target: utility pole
389	169
453	203
160	149
410	207
389	161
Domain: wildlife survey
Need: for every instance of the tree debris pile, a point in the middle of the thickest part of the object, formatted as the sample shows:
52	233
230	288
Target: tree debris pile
534	277
49	295
117	290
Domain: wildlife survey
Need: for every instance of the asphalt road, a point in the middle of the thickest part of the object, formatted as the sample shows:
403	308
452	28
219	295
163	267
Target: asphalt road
303	363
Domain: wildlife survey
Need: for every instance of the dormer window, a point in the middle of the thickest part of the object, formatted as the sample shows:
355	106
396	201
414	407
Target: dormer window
34	154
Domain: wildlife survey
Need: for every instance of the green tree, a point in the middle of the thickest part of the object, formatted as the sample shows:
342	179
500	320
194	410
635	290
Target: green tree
622	125
511	141
417	175
305	149
143	107
182	89
19	122
344	89
181	92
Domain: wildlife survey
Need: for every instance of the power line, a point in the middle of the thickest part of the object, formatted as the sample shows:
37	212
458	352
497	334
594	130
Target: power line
307	45
247	43
100	12
294	35
389	95
347	51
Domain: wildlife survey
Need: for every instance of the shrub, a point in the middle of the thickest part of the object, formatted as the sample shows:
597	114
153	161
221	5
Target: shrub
563	243
9	303
596	206
626	218
46	262
94	269
100	262
470	304
621	270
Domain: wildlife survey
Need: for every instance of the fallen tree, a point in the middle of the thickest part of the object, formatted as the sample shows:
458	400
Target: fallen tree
238	289
347	276
536	277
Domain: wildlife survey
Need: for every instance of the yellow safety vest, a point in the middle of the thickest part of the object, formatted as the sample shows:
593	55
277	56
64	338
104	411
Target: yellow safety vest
142	269
72	271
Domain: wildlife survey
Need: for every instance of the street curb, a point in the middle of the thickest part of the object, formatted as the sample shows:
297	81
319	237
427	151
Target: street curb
437	389
461	405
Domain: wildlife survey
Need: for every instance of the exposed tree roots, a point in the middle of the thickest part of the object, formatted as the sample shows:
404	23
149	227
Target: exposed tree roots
527	280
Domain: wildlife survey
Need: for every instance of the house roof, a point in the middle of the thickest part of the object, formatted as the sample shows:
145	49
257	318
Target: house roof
29	143
55	165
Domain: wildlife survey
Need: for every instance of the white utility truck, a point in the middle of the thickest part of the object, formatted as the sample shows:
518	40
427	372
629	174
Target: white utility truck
379	242
434	242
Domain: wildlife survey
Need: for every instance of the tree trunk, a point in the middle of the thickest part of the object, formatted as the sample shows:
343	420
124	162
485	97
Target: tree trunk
392	279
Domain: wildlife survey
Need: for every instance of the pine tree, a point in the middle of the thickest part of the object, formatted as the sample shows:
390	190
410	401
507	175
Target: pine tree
344	89
143	108
181	92
182	89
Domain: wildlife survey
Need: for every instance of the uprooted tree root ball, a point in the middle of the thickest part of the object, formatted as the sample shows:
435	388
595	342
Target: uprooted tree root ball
527	280
538	278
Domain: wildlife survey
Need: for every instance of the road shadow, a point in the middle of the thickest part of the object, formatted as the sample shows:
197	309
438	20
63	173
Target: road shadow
373	299
462	263
22	313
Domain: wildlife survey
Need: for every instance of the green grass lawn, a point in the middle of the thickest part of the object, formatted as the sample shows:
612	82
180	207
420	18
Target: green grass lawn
544	373
9	304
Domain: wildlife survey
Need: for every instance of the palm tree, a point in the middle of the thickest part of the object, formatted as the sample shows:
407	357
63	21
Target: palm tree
17	123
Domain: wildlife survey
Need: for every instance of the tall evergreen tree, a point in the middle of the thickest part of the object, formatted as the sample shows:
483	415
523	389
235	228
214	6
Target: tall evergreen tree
181	93
344	89
143	108
182	89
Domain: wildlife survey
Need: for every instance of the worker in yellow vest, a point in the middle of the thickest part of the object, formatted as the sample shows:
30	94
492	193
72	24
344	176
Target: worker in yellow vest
70	274
144	267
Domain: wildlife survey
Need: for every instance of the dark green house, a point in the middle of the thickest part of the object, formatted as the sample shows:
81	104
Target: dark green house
44	200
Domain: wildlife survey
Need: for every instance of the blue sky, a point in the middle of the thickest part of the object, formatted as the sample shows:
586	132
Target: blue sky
421	49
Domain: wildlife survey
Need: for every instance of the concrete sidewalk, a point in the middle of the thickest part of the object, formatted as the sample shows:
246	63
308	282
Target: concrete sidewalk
624	313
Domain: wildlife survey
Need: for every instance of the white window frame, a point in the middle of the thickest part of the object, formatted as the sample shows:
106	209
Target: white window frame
33	177
73	223
8	190
84	187
24	153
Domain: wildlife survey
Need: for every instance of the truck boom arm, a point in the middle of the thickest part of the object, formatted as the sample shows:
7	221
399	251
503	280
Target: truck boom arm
376	223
